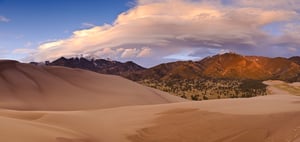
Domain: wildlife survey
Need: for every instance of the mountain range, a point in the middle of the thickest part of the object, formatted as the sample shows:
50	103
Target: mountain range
222	66
98	65
226	66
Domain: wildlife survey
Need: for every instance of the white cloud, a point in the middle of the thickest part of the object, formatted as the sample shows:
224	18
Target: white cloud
4	19
167	27
49	45
145	52
129	53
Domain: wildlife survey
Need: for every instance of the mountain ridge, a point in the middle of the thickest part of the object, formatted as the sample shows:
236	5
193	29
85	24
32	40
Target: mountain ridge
223	66
97	65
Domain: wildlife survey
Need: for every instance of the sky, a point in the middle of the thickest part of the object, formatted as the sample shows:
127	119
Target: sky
147	32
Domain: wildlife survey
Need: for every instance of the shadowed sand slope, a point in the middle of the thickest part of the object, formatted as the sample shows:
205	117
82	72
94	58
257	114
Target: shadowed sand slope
30	87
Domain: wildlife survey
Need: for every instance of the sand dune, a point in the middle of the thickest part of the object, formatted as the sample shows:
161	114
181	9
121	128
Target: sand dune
197	126
128	112
283	87
221	120
30	87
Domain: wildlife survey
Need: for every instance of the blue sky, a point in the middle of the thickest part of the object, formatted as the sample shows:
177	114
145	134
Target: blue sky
148	32
32	22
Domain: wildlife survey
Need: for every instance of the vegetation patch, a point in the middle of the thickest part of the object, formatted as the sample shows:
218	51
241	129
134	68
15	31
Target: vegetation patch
206	89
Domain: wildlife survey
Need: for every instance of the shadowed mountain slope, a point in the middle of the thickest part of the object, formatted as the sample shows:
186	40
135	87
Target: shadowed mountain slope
98	65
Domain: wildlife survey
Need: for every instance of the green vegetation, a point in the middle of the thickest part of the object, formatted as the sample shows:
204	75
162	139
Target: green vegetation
205	89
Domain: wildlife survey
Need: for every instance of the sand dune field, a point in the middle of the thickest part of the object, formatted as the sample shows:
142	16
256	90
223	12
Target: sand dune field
55	104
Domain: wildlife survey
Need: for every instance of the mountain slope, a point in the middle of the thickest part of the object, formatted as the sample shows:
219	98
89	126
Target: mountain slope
178	70
25	86
236	66
295	59
225	66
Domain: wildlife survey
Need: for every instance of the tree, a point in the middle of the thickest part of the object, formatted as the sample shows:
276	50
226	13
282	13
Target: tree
195	97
